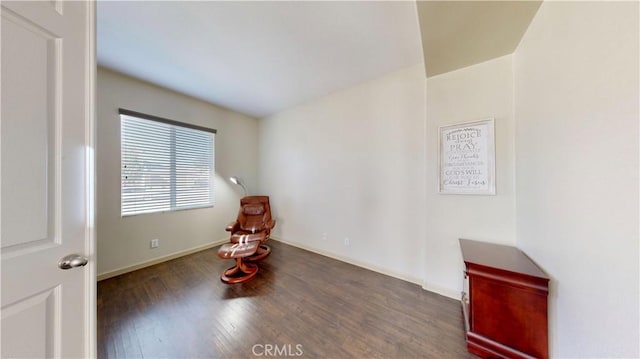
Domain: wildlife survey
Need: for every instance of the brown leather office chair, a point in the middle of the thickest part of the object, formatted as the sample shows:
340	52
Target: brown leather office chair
254	223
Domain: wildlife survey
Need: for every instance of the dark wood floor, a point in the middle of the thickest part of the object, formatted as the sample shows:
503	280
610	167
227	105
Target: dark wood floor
299	304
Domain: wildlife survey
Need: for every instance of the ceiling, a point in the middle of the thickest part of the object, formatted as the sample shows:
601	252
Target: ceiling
257	58
260	58
457	34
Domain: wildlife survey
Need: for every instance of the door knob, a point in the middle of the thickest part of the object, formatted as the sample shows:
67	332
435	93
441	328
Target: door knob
72	261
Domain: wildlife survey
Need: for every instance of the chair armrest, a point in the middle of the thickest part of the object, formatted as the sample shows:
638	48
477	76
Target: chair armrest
271	224
232	227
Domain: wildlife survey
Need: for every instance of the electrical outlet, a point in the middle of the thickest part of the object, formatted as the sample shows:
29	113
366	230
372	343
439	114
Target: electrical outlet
324	236
155	243
347	242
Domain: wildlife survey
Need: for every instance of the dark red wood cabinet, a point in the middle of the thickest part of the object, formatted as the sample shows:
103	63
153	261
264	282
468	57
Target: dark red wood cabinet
504	302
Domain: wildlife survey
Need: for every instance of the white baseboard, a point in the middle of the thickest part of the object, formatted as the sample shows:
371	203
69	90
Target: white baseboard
380	270
151	262
447	292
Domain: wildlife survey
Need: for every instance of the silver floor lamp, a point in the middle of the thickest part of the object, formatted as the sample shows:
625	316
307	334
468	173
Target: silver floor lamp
237	181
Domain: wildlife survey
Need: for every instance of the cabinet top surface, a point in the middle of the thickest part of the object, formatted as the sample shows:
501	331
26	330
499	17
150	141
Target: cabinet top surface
499	256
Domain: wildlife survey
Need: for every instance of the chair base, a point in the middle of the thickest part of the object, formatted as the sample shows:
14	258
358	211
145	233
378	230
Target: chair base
239	273
262	253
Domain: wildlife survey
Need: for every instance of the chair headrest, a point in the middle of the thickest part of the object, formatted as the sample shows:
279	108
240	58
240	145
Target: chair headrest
253	209
253	199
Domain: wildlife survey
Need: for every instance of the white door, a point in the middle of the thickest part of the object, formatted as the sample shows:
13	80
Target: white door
46	137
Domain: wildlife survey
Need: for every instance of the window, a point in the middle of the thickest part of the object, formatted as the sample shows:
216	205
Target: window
166	165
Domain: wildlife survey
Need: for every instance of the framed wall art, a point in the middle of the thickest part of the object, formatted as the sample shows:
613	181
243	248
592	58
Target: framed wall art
467	158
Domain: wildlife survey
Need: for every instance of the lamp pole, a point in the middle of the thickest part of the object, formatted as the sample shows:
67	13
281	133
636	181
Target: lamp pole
237	181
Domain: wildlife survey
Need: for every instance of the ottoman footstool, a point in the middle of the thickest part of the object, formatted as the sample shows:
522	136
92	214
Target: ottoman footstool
242	271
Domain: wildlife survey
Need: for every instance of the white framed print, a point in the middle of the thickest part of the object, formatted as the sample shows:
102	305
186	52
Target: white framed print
467	158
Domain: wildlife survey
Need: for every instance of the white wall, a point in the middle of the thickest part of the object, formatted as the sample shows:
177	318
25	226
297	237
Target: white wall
352	165
576	91
469	94
124	242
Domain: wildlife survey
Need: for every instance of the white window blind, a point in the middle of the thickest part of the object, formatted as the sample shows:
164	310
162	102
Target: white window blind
166	165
